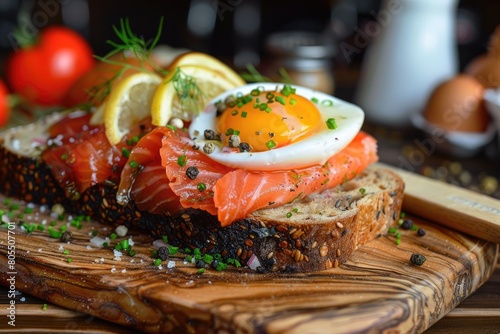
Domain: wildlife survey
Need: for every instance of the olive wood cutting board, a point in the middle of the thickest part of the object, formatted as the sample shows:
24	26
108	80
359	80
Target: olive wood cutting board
379	290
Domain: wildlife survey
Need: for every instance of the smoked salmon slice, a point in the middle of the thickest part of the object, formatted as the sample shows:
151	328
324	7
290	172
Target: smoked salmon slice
191	173
232	194
80	155
241	192
143	178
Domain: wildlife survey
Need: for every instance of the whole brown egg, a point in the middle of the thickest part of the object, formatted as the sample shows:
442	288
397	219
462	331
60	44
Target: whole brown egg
457	105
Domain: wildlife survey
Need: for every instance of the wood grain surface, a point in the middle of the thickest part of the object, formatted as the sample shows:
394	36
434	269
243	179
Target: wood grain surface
450	205
377	291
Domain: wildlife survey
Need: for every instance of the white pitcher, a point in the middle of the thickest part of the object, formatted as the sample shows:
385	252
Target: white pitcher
414	51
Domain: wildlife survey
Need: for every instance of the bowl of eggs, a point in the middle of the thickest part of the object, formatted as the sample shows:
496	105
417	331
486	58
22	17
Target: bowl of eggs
456	118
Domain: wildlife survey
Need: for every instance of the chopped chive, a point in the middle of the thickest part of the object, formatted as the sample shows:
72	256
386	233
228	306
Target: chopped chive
171	127
288	214
207	258
157	262
182	160
327	103
113	236
66	252
362	191
244	114
271	144
255	92
125	152
331	123
293	101
173	250
280	99
133	164
70	260
201	271
234	112
40	227
28	210
315	100
392	230
263	106
44	307
201	186
287	90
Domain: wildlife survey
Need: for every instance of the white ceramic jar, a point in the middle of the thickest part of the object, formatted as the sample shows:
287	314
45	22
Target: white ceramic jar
414	50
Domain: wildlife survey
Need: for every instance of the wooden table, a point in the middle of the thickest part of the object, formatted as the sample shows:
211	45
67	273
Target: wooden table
480	313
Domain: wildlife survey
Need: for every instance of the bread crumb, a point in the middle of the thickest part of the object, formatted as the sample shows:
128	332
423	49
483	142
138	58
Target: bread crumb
121	230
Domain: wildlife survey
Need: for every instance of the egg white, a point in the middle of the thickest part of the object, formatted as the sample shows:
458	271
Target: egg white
313	150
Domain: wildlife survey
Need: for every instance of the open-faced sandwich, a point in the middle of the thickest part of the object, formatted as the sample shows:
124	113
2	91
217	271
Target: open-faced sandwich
277	176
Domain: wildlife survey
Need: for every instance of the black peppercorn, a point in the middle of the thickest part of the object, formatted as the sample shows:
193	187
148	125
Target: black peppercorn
215	263
245	147
163	253
192	172
407	224
67	236
417	259
209	134
200	264
420	232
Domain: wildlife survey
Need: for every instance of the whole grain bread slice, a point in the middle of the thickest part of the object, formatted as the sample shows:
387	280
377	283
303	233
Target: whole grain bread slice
318	232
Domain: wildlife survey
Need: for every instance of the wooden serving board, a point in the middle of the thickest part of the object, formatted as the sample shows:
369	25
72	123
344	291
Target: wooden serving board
377	291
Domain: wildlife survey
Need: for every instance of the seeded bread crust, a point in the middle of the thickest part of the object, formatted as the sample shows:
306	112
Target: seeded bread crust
318	232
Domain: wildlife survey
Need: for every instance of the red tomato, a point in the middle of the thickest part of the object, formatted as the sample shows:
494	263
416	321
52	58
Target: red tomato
4	104
44	72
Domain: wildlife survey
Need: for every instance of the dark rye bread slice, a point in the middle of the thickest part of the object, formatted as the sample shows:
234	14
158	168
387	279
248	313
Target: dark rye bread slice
318	232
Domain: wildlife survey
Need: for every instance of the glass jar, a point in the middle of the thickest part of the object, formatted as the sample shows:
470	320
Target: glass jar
306	58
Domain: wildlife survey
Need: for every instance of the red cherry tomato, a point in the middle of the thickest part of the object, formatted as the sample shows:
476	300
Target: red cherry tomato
44	72
4	104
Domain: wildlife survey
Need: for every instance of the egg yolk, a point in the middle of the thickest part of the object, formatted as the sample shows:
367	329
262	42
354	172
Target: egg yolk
267	120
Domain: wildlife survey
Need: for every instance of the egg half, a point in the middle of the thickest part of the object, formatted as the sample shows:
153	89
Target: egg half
271	127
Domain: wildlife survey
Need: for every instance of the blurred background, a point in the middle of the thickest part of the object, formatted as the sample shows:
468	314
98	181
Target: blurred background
324	44
234	30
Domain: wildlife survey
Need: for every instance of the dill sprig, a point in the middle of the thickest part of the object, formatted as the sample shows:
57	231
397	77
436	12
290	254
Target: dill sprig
137	46
130	45
189	93
253	75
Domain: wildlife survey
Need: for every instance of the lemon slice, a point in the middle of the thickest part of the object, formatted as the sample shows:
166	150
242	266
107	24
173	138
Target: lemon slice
207	61
128	103
185	91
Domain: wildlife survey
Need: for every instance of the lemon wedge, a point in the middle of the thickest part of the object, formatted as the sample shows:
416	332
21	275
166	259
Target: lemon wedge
209	62
185	92
128	103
